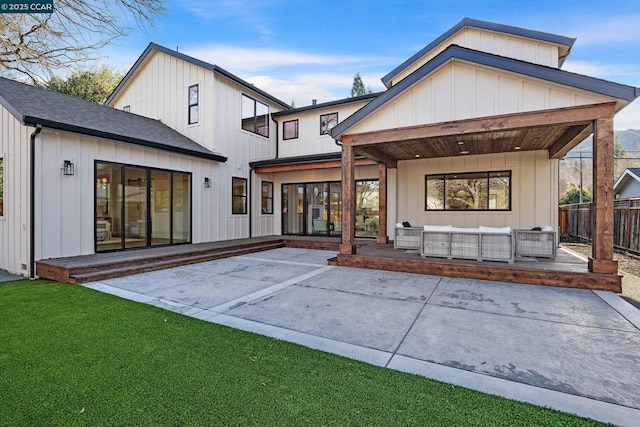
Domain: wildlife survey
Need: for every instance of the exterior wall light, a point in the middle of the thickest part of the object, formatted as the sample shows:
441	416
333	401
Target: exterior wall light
207	182
68	168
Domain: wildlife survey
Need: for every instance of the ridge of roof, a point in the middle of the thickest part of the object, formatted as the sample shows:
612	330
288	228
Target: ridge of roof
214	68
38	106
328	104
455	52
483	25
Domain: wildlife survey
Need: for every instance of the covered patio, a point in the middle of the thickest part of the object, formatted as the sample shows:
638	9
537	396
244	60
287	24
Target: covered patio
555	131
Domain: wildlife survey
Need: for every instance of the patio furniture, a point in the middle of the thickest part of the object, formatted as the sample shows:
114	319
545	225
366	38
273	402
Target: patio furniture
532	243
496	244
465	243
407	237
480	244
436	241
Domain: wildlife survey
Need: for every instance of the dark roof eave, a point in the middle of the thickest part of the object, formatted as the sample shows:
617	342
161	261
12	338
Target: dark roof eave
554	75
328	104
484	25
299	160
194	61
33	121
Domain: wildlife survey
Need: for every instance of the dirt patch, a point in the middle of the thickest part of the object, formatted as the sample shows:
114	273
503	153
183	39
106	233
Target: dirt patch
628	266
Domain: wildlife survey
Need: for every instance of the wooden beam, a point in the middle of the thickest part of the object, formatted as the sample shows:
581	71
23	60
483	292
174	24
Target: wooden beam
382	204
601	260
348	246
329	164
560	116
566	142
379	156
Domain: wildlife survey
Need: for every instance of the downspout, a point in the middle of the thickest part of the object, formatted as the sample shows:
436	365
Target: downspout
250	204
32	201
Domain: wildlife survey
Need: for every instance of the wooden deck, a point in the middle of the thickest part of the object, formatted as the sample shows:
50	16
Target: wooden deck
101	266
565	270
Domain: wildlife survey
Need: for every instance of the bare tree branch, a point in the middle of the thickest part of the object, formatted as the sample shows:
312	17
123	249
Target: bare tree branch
33	45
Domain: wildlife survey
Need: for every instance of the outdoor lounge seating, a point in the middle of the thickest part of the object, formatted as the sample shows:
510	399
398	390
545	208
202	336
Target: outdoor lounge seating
481	244
536	243
407	237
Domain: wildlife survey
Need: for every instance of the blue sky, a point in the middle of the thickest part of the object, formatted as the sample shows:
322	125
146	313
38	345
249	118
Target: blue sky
301	50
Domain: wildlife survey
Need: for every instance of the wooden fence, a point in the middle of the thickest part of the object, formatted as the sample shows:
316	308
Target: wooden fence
575	221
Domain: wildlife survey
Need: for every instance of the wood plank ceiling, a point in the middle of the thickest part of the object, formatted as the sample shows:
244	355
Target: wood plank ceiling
511	140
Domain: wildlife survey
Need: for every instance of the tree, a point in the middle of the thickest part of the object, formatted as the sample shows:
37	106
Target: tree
93	85
358	86
573	196
34	45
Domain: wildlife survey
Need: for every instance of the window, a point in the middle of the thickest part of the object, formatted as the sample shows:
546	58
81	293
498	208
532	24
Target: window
328	122
477	191
127	108
238	196
255	116
290	129
267	197
194	111
1	186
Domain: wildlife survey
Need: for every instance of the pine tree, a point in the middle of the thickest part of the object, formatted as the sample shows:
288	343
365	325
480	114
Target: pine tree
358	88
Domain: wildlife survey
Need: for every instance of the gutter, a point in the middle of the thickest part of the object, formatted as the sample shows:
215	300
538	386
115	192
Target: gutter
32	201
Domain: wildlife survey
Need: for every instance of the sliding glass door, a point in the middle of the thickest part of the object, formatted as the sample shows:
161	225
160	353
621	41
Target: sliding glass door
315	209
138	207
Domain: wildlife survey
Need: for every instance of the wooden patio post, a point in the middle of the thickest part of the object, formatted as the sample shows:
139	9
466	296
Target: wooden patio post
348	246
601	260
382	204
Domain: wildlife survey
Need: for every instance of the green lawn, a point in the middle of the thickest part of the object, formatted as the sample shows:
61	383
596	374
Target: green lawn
73	356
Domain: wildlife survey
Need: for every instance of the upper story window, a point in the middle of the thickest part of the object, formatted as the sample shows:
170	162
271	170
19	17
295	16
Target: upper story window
328	122
255	116
475	191
194	99
290	129
1	187
127	108
267	197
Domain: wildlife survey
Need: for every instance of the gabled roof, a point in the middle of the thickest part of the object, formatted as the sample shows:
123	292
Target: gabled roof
335	103
483	25
454	52
36	106
627	175
190	60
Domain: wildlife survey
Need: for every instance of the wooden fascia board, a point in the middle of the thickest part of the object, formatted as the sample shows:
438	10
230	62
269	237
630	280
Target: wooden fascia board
559	116
310	166
379	156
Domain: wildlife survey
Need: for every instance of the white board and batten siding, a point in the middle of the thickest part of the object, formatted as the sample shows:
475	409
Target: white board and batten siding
160	90
460	90
511	46
534	190
309	140
14	224
65	204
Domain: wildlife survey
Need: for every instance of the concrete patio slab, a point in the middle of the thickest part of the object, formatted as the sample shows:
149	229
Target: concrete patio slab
573	359
372	322
570	349
566	305
7	277
387	284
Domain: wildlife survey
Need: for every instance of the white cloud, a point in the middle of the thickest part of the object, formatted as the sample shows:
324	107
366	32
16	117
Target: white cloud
599	30
629	118
625	72
242	59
